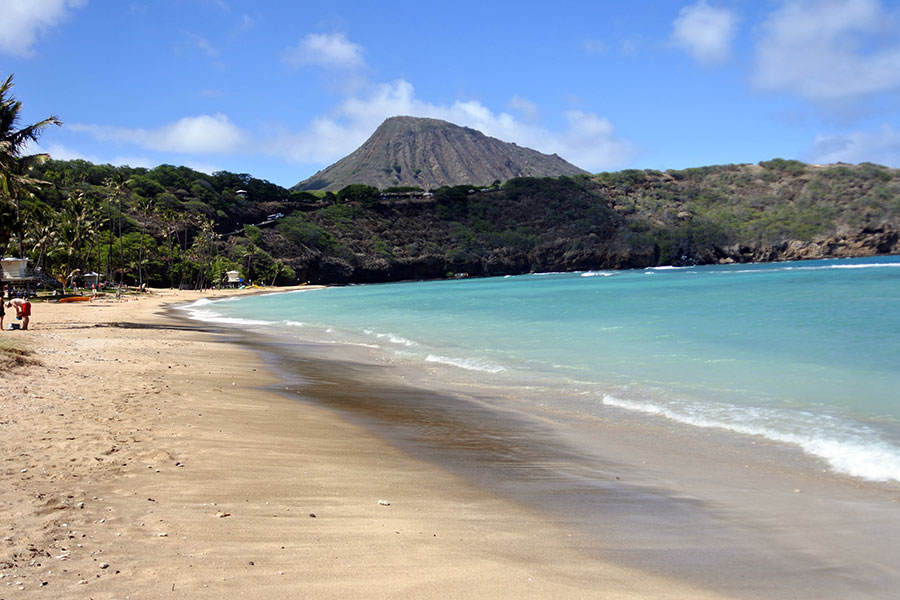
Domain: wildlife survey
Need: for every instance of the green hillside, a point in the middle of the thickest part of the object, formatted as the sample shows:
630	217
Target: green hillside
172	226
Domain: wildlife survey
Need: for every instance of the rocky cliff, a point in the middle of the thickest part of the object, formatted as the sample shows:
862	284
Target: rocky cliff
777	210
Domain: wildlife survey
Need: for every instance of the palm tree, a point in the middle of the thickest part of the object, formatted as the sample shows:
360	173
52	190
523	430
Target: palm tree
41	237
203	248
93	225
15	181
77	214
278	268
249	253
169	220
118	187
145	208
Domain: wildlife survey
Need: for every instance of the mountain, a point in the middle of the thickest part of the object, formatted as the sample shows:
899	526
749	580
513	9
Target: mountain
430	153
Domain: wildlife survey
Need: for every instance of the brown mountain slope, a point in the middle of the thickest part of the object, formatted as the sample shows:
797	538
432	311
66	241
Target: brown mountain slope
429	153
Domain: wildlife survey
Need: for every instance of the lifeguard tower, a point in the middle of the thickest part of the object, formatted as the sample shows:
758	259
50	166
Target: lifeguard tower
92	279
233	278
15	271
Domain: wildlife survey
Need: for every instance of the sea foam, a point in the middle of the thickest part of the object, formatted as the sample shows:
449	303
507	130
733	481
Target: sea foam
855	451
465	363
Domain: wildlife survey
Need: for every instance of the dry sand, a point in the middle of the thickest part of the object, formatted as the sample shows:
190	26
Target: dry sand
141	458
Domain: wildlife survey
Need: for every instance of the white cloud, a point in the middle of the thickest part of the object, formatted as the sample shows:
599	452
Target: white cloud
24	20
525	107
829	51
61	152
325	50
705	32
57	152
881	147
589	141
203	134
203	167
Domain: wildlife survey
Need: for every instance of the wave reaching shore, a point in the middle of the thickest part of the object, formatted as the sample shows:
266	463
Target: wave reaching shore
147	457
143	457
794	352
727	502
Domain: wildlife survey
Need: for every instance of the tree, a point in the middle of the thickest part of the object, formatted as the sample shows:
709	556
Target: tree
76	226
357	192
118	187
15	181
145	208
203	249
249	253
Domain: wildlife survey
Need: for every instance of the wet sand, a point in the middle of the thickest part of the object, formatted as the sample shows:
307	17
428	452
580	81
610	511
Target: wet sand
736	515
145	457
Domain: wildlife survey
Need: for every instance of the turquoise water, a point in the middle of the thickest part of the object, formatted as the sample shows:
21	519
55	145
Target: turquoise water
805	353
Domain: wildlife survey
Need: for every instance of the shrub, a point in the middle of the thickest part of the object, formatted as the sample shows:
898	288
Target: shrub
297	230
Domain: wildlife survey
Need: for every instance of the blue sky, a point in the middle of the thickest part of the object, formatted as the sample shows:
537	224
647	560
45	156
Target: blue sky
282	89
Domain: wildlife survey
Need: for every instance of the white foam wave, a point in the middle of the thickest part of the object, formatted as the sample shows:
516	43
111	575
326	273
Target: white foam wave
392	338
195	303
465	363
851	451
210	316
850	266
286	292
597	274
767	268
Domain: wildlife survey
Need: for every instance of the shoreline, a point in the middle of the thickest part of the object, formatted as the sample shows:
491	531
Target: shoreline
740	515
144	456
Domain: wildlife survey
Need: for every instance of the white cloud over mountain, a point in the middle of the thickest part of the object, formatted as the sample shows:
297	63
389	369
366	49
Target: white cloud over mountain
881	147
23	20
589	141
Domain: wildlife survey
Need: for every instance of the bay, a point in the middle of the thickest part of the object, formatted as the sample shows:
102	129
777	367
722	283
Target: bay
801	353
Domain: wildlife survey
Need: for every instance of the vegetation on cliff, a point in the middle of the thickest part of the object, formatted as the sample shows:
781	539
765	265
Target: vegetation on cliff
172	226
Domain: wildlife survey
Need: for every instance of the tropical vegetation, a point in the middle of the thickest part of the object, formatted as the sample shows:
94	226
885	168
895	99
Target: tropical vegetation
173	226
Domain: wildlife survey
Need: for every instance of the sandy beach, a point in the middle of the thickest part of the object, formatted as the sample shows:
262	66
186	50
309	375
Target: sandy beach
142	458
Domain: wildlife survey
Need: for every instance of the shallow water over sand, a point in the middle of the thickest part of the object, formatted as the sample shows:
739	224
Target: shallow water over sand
803	353
670	483
739	516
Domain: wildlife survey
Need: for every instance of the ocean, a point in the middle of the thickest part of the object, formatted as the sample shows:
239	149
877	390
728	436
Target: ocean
805	354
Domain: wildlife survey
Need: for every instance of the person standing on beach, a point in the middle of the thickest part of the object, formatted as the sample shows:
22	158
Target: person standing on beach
2	314
23	310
